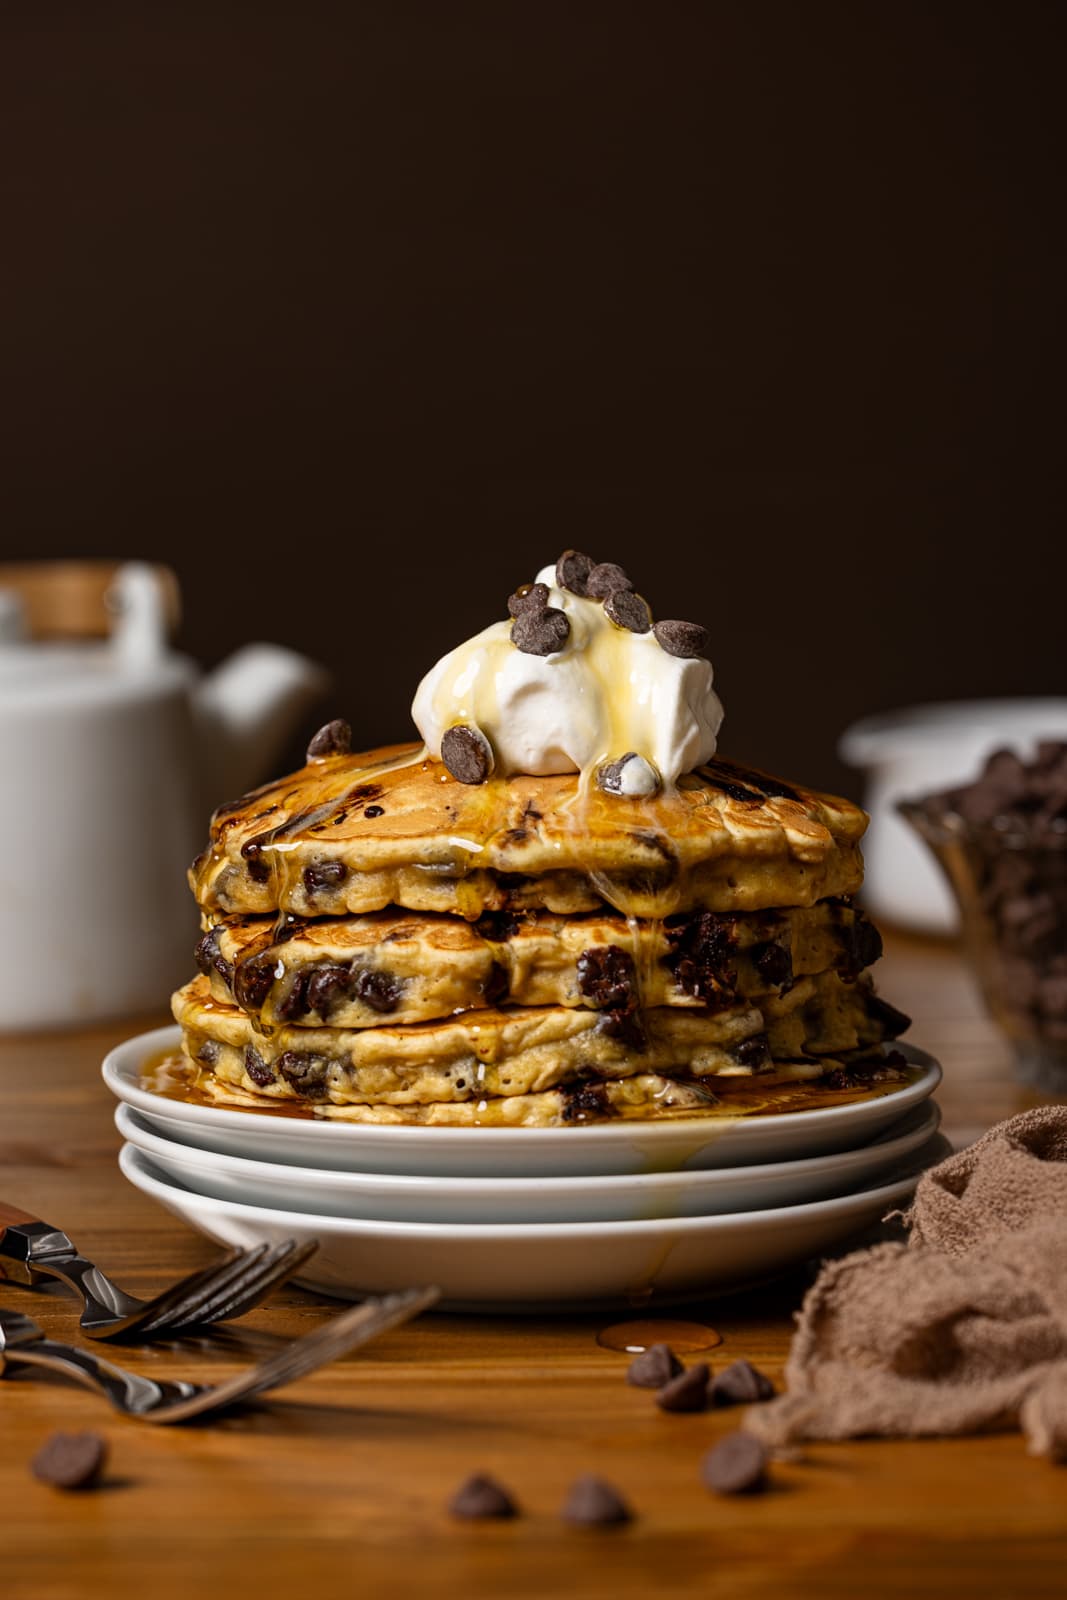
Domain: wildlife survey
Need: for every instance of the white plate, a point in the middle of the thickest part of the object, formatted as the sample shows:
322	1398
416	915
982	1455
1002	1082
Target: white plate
466	1201
509	1152
541	1266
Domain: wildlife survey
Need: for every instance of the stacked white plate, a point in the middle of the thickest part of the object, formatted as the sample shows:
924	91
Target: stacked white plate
531	1218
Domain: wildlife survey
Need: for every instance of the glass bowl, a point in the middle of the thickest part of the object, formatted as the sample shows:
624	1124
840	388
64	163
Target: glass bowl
1011	888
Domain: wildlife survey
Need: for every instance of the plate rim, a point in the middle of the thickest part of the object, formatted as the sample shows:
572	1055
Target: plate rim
498	1232
607	1133
476	1184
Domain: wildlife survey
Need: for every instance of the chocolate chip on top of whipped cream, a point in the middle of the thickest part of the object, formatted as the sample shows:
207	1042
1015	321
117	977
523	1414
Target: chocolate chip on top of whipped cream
579	679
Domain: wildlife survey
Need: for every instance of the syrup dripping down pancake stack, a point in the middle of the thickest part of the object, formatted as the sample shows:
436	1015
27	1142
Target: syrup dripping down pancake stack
560	908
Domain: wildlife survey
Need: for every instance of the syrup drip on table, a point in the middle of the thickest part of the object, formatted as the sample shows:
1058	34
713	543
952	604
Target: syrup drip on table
683	1337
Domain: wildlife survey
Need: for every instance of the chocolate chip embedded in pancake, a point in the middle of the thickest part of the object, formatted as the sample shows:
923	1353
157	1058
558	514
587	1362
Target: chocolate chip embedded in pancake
355	972
726	839
523	1050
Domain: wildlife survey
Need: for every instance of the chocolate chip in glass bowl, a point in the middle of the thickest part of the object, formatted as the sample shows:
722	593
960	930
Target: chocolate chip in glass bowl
605	578
684	639
572	571
333	739
540	633
627	610
467	754
528	597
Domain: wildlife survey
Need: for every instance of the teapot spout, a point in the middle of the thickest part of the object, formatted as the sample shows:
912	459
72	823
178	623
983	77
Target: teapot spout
247	709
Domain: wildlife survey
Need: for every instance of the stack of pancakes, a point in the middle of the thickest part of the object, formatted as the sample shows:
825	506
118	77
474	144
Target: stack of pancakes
384	943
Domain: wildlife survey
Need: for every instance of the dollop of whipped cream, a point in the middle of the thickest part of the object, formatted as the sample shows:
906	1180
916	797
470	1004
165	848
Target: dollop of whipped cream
606	695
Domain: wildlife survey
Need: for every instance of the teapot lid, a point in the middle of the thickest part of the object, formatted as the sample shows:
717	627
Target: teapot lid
132	662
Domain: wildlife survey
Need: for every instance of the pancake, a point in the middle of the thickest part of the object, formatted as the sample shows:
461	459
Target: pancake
525	1050
402	967
648	1097
349	834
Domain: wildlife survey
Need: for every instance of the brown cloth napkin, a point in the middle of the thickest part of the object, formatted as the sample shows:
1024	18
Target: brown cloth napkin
962	1329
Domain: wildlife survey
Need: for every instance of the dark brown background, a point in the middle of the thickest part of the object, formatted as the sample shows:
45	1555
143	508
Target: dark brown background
357	313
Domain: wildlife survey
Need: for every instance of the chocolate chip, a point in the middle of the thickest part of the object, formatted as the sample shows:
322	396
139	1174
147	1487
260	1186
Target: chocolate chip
333	739
891	1021
380	991
592	1503
467	754
607	976
327	984
688	1391
703	950
497	984
257	868
572	571
605	579
481	1496
628	610
294	1004
252	981
654	1367
305	1072
582	1102
528	597
71	1460
374	811
630	774
209	957
740	1384
324	875
625	1026
540	633
260	1071
754	1052
774	963
685	639
737	1465
862	942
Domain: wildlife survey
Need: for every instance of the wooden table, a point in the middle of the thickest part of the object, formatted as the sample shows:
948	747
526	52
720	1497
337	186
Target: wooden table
339	1488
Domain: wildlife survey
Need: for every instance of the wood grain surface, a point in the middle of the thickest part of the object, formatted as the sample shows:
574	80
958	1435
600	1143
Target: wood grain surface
339	1487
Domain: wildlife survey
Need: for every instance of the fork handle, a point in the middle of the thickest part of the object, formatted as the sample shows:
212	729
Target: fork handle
126	1391
28	1244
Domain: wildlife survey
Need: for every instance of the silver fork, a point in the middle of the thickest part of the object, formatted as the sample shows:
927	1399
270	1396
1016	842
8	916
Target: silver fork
32	1250
23	1343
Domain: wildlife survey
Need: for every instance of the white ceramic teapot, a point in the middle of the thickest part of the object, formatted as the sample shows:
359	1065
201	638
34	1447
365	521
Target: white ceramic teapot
112	754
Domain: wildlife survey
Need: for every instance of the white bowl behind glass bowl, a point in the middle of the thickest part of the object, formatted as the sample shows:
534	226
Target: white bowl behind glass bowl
920	750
